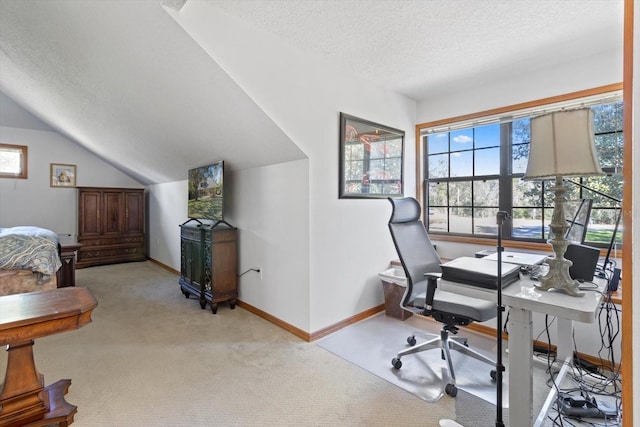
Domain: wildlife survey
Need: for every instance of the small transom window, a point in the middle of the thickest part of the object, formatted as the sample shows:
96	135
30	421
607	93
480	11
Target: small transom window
13	161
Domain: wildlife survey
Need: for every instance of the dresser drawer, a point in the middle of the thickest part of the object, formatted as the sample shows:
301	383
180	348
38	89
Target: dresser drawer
110	241
88	256
190	233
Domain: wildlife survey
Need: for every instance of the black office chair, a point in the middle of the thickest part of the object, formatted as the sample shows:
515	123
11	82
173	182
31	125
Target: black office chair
421	265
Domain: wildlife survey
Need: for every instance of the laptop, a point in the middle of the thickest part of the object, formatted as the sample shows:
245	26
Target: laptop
520	258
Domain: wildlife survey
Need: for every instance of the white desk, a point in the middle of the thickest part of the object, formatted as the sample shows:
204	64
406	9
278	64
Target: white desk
524	299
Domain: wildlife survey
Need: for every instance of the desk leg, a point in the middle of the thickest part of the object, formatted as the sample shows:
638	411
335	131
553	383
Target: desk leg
565	338
565	359
520	367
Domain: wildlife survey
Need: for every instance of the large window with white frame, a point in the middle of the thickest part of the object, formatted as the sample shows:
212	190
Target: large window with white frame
474	169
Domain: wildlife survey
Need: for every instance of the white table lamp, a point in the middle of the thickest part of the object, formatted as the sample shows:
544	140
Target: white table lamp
561	145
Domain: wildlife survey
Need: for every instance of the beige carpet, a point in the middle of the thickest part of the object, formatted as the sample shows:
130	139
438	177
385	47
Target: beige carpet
151	357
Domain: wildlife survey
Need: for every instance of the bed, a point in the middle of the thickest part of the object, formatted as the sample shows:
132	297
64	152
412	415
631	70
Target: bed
29	259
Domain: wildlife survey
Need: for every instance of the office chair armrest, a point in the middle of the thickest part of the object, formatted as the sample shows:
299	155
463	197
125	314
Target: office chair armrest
432	284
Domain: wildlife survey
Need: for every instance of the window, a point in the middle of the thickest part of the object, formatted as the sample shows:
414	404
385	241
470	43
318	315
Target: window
473	170
13	161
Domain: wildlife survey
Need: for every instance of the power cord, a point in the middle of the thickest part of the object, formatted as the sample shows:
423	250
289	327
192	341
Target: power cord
257	270
594	380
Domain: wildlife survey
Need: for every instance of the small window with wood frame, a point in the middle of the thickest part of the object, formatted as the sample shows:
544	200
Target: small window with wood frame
13	161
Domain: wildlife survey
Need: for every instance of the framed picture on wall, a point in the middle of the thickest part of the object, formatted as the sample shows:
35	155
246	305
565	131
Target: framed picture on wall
370	159
63	175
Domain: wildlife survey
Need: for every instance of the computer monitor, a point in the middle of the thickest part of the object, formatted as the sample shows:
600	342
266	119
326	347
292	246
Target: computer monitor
585	261
579	221
612	243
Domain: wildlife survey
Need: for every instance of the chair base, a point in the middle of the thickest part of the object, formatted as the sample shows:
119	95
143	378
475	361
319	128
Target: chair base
445	343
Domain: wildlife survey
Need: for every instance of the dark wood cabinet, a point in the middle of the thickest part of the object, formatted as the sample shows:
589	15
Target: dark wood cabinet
110	225
209	264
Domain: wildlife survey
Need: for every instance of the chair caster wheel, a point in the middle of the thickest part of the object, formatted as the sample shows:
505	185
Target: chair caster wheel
411	340
397	363
494	375
451	390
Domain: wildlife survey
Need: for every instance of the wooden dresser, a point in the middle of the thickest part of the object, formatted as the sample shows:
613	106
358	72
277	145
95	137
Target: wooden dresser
110	225
209	264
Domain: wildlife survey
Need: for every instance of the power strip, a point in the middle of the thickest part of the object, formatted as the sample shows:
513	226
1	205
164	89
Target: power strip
583	364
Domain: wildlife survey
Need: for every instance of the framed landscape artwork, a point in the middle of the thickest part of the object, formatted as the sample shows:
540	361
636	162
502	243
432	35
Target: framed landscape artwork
63	175
370	159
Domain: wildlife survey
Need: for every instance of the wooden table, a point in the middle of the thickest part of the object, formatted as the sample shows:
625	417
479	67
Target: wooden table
24	400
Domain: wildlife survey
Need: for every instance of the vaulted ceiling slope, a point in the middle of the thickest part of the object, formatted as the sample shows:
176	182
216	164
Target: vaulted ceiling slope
122	79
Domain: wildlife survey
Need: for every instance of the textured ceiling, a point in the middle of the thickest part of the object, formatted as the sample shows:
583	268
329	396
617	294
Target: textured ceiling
422	48
122	79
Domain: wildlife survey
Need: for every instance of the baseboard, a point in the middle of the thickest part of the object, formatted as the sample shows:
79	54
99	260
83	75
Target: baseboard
307	336
166	267
540	345
312	336
346	322
595	360
278	322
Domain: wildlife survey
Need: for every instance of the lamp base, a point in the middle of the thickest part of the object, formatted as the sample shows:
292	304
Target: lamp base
558	278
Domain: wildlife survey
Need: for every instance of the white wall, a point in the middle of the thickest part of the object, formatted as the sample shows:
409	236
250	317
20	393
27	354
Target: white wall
271	206
348	239
597	70
166	210
32	201
283	86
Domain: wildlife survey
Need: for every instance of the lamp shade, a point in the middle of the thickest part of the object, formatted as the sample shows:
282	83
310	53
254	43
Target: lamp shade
562	145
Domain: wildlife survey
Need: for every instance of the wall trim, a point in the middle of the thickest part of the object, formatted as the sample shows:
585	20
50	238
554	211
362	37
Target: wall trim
306	336
276	321
628	400
312	336
166	267
346	322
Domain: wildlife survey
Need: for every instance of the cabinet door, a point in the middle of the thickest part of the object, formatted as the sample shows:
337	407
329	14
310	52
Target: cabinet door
113	221
193	263
134	212
89	213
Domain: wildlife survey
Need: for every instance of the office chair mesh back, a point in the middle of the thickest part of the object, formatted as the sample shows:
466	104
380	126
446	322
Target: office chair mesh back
416	252
418	256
